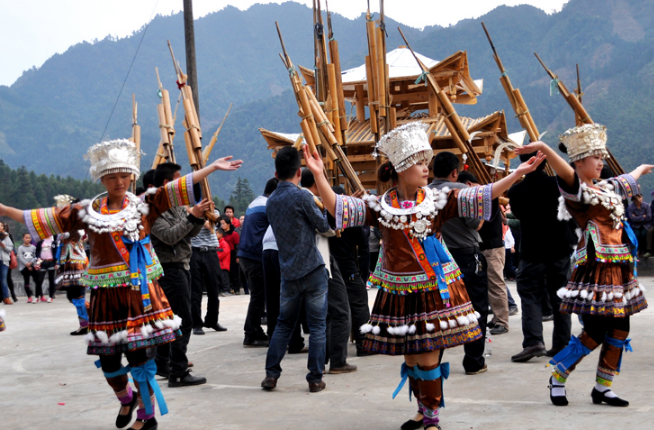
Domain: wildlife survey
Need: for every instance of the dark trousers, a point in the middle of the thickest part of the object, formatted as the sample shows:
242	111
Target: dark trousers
253	271
27	274
52	288
223	275
272	282
358	297
204	275
234	273
477	287
338	319
534	281
509	268
10	284
176	284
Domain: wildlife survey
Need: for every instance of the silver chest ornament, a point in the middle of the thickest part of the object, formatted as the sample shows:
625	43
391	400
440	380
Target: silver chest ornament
417	219
127	221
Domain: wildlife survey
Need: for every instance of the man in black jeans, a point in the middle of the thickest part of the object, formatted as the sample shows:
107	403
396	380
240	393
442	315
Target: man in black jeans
171	238
250	253
204	276
545	251
462	239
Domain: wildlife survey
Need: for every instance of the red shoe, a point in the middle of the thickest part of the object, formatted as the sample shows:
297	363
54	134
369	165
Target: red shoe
43	299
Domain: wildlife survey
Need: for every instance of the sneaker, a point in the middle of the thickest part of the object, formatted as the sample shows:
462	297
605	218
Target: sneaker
499	329
43	299
49	300
256	343
513	310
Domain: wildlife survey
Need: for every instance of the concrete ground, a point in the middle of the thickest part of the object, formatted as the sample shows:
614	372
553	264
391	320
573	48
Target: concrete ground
48	382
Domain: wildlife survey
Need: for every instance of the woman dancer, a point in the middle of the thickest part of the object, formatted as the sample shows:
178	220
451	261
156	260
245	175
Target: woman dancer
603	288
71	263
422	306
128	311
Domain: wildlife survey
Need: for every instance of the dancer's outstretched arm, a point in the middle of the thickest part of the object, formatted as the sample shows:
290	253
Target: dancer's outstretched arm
528	166
558	164
315	164
13	213
224	163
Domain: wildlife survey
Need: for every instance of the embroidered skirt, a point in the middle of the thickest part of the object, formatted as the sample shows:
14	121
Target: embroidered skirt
604	289
70	274
417	322
118	322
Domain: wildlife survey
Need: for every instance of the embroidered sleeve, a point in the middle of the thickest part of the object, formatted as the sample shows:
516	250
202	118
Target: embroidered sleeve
351	212
46	222
175	193
572	193
476	202
624	185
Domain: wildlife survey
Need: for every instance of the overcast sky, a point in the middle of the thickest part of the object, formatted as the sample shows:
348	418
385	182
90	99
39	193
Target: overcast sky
31	31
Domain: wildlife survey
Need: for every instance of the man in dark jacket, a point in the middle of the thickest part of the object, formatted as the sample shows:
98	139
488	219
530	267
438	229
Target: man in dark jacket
171	238
250	258
545	251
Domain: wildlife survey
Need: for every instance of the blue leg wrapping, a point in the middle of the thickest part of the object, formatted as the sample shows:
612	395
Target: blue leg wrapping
442	371
145	376
80	305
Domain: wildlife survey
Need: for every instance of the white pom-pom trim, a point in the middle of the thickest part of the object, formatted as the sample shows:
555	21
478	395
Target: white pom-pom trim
177	322
152	190
477	315
89	338
376	330
366	328
2	313
144	332
575	293
472	318
583	294
452	323
430	327
561	293
159	324
412	329
144	209
443	325
102	336
610	297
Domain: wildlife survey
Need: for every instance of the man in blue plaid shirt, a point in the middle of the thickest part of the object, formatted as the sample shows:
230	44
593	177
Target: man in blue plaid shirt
295	218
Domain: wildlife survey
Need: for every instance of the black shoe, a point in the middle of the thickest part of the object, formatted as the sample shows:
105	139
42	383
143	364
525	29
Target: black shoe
364	353
79	332
513	310
216	327
477	372
149	424
256	343
269	383
411	425
558	400
123	420
186	380
302	350
264	320
599	397
198	330
499	329
315	387
529	352
546	318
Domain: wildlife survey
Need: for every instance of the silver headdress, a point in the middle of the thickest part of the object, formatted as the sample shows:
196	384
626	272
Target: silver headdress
114	156
584	141
406	145
62	200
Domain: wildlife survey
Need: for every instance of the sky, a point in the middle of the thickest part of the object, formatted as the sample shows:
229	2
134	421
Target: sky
31	31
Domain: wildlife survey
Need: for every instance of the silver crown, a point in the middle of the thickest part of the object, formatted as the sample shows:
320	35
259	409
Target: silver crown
584	141
113	156
406	145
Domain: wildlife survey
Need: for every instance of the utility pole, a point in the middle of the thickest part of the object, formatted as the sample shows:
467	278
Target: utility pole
191	68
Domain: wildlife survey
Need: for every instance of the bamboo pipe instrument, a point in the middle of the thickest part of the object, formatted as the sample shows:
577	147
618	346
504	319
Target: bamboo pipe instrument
336	61
452	121
335	111
193	136
580	111
214	138
517	101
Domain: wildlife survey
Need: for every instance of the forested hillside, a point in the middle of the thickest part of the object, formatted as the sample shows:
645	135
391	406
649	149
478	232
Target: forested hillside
52	114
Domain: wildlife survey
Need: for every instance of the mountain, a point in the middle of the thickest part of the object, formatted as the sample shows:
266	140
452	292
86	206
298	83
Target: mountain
51	115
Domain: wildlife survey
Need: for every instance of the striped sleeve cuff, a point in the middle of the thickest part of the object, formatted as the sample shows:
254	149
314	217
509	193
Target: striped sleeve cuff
42	223
180	191
476	202
350	212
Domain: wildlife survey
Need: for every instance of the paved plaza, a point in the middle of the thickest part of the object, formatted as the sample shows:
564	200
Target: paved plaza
48	382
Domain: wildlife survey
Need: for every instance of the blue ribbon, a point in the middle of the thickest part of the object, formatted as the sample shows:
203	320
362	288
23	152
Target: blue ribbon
119	372
622	344
442	371
80	305
437	256
422	77
633	244
144	375
569	355
139	259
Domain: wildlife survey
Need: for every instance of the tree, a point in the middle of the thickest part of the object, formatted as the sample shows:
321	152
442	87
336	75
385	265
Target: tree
241	197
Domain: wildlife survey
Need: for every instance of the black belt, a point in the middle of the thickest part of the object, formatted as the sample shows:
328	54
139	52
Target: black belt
471	250
206	248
